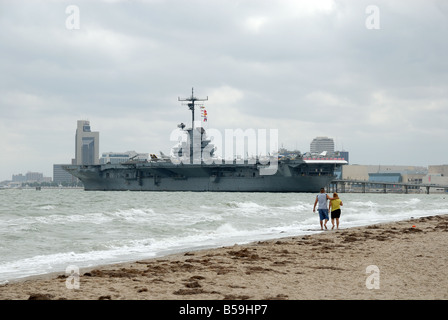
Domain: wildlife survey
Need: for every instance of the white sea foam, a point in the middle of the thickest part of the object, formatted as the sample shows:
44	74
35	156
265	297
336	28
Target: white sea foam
226	228
47	207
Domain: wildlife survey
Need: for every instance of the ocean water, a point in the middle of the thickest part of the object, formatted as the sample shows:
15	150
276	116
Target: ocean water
46	231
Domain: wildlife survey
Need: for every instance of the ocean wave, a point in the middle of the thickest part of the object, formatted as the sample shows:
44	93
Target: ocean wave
132	214
47	207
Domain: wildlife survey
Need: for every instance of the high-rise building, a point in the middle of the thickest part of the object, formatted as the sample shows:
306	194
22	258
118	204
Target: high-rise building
30	177
60	175
321	144
86	144
34	176
344	155
18	178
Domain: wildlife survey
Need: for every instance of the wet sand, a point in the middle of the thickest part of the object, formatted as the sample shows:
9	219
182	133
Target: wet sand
400	260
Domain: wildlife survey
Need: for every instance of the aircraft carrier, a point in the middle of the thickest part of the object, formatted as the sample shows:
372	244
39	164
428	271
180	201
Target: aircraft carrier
193	166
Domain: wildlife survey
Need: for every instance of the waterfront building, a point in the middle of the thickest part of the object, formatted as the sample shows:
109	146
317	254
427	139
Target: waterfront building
29	177
321	145
34	177
18	178
437	174
369	172
385	177
86	144
60	175
344	155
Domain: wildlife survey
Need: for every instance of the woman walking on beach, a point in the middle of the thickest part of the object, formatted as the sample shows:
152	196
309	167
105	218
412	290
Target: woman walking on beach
335	208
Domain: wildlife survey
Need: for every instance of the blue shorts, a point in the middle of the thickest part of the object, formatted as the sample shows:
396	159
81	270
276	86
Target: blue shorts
323	214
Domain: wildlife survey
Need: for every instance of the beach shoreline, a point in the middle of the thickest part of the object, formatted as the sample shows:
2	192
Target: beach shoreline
399	260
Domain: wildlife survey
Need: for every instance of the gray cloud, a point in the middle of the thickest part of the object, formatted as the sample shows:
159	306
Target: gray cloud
308	68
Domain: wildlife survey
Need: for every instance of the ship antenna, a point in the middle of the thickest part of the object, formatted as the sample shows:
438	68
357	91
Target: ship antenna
191	101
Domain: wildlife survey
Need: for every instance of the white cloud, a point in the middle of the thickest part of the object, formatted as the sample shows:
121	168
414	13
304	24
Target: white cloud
255	24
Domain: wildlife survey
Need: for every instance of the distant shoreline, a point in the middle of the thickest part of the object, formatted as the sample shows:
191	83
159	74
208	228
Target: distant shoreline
374	191
42	188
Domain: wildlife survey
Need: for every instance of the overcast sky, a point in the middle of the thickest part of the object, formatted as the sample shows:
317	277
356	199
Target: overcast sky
378	87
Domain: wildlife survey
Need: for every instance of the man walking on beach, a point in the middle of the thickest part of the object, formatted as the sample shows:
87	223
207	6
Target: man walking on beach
322	198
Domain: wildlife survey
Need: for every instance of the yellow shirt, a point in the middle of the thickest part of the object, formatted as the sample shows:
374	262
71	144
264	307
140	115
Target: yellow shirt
335	204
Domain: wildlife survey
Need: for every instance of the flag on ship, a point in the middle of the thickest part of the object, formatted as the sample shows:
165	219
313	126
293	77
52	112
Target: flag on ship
204	114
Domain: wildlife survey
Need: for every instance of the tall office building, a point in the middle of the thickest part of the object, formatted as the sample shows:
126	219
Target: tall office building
344	155
321	144
60	175
87	144
34	176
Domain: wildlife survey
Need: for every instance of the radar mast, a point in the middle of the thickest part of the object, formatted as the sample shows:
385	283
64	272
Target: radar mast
191	104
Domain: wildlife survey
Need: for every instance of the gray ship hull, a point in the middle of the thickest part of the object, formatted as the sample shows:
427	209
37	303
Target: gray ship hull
165	176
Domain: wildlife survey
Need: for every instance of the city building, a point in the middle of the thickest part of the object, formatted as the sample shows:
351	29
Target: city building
86	144
61	176
34	176
29	177
343	154
437	174
18	178
442	170
385	173
391	177
322	145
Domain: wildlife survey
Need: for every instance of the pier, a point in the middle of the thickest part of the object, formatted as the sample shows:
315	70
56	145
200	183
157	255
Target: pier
361	186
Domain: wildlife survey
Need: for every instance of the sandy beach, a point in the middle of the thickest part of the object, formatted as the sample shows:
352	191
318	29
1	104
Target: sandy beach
400	260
